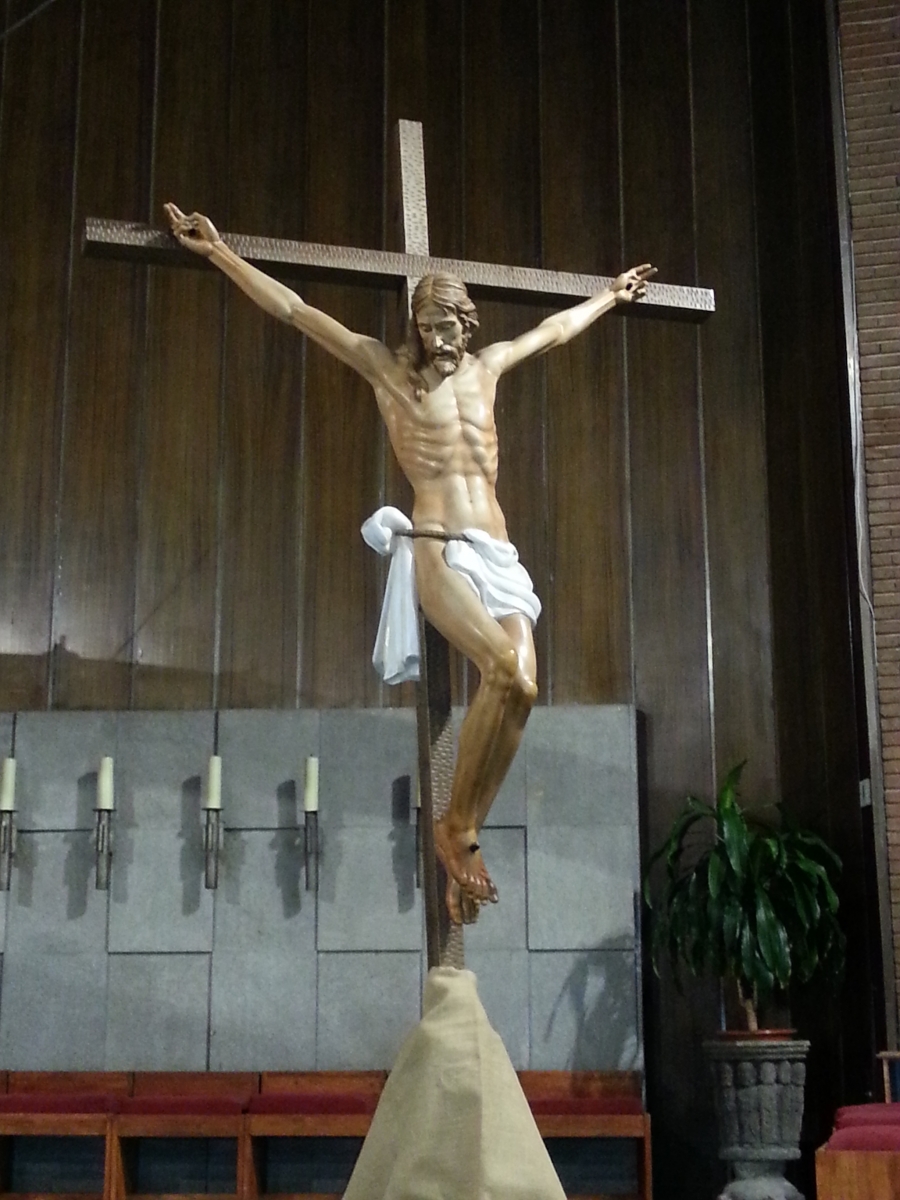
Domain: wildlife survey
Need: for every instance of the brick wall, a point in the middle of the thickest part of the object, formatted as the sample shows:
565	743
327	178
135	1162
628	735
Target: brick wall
870	59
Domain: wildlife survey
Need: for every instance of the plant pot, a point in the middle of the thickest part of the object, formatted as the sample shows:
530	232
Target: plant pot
759	1111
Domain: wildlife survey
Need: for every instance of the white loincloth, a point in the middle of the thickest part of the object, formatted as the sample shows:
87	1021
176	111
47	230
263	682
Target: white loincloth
491	568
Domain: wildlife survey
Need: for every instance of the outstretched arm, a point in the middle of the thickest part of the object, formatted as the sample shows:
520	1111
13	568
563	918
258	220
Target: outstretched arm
366	355
562	327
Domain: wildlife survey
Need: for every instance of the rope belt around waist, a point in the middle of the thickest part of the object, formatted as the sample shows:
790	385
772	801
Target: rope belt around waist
436	534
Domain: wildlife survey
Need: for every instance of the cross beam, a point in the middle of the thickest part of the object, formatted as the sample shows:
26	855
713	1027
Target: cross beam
385	269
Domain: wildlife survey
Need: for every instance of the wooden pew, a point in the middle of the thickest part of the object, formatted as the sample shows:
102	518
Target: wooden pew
251	1108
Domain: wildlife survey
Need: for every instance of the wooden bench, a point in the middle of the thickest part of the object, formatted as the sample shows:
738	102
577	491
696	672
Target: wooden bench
861	1159
251	1110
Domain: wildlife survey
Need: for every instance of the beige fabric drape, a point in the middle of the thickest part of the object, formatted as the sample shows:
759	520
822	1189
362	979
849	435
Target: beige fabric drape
453	1122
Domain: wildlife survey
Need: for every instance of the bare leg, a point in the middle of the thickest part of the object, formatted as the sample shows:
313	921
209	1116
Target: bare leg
504	654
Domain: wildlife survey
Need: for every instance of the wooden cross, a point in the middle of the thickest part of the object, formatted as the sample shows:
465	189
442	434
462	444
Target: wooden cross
384	269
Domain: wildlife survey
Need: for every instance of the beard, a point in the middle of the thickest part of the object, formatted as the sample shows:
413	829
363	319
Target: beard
447	360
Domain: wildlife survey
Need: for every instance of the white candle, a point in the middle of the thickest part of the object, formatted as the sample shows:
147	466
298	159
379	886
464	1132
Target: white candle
214	783
311	794
105	785
8	786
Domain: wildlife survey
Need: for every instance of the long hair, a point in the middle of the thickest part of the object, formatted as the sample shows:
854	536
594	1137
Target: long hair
446	291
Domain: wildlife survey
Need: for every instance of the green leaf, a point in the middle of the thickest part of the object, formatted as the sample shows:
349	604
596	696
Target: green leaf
716	874
773	940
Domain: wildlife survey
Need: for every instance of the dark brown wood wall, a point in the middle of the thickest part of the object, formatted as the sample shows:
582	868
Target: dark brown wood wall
184	479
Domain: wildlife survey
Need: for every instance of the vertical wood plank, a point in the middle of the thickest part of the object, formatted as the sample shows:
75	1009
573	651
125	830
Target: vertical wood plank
733	402
175	607
416	36
95	583
263	367
502	224
669	568
342	436
588	620
37	137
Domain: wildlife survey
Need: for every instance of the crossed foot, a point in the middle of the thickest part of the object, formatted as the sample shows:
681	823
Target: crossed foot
468	883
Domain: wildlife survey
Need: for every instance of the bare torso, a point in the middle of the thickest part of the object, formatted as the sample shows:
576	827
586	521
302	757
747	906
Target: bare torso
445	440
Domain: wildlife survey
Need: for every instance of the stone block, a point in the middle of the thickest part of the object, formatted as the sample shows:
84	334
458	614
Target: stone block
584	1011
161	763
57	759
53	1011
368	899
503	989
263	766
53	1016
264	957
368	1003
159	903
581	765
158	1012
582	884
6	734
368	765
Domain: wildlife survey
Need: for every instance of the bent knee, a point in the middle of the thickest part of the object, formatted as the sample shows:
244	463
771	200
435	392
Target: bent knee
505	672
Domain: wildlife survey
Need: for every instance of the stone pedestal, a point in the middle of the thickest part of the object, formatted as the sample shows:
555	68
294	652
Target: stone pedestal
759	1110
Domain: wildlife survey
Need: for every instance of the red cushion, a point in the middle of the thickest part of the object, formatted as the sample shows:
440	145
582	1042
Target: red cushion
566	1106
867	1114
866	1137
58	1102
312	1103
183	1106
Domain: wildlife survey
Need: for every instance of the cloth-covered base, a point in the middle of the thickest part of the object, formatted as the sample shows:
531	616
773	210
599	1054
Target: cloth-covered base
452	1122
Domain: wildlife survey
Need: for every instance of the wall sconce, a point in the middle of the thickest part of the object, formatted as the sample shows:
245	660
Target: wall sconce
418	804
103	834
212	830
7	822
311	824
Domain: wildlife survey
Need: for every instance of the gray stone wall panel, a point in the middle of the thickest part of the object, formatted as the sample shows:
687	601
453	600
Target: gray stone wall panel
57	759
583	1011
368	1003
263	766
158	1012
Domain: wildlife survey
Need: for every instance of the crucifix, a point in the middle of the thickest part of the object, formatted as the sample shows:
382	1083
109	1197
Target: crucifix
454	556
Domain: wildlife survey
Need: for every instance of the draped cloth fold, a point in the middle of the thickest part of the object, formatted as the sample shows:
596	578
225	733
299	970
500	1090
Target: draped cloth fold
452	1122
489	566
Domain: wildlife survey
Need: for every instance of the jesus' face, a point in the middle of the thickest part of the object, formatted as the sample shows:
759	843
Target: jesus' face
443	338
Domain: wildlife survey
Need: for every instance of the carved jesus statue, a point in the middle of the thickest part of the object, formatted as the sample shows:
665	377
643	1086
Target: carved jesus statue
437	401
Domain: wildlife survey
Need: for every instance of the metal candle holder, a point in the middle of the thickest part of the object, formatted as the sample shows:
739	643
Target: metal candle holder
7	847
103	848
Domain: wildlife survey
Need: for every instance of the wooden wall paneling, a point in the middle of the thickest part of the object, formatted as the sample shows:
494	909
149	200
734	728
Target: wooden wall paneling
342	435
588	623
263	366
669	568
733	402
417	37
784	377
843	1035
175	610
94	604
39	104
502	224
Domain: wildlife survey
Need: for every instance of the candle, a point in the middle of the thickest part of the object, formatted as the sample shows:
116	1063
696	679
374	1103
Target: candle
311	795
8	786
214	783
105	785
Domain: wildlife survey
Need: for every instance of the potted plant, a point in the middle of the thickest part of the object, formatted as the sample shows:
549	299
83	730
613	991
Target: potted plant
754	904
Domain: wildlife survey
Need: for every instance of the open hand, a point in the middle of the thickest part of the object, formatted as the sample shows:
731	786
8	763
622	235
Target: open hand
196	231
632	285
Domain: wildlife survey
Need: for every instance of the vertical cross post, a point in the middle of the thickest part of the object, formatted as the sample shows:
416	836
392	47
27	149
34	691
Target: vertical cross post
444	941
